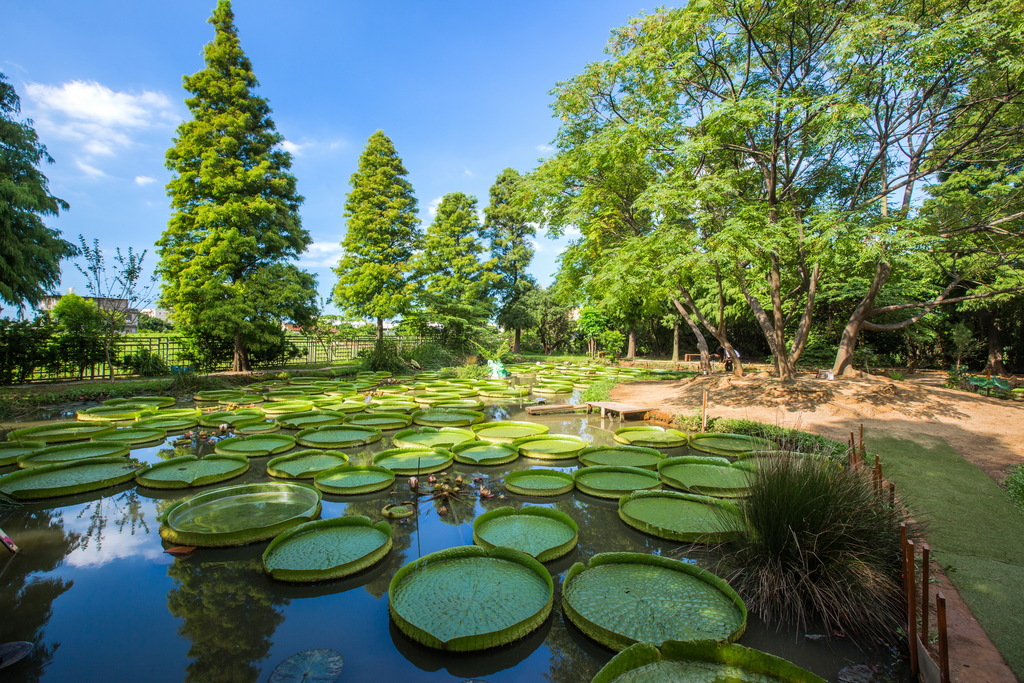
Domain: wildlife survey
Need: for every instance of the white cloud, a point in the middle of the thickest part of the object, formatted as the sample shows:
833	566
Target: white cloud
573	231
144	180
292	148
545	149
468	172
537	246
432	206
89	170
321	255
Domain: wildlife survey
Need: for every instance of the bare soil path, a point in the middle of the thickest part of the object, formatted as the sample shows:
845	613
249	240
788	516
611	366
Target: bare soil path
987	432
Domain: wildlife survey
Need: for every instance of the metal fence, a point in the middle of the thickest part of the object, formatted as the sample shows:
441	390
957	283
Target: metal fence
171	349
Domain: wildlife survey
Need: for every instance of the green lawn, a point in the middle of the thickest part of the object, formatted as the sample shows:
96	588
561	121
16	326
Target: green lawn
975	532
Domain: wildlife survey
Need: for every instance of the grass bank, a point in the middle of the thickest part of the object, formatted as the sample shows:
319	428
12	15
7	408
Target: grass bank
973	528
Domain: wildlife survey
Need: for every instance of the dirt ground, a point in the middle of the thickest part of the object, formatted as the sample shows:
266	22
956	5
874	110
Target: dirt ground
988	432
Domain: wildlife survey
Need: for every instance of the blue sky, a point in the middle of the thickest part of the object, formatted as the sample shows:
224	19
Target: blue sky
462	88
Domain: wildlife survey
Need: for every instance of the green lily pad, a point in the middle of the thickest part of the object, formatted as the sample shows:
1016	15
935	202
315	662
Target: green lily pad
304	464
236	515
133	436
414	460
700	660
156	401
447	417
505	392
229	417
188	470
485	453
622	598
684	517
551	389
467	598
621	456
708	476
432	437
255	426
10	451
256	445
508	431
327	549
542	533
57	432
127	411
651	436
65	479
73	452
730	444
309	666
609	481
169	423
460	403
539	482
550	446
338	436
353	479
393	406
383	421
275	408
214	395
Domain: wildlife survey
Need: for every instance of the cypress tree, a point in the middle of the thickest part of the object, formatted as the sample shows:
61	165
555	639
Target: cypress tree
225	255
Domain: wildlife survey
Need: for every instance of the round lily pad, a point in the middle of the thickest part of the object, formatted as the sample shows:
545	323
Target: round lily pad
169	423
156	401
393	406
539	482
256	445
709	476
651	436
730	444
460	403
550	389
505	392
542	533
304	464
354	479
56	432
685	517
621	456
414	460
468	598
255	426
622	598
133	436
700	660
127	411
229	417
338	436
432	437
236	515
550	446
10	451
188	470
214	395
65	479
508	431
383	421
485	453
73	452
609	481
327	549
447	417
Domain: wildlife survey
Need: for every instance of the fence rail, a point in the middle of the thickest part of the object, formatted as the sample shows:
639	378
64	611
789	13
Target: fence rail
172	350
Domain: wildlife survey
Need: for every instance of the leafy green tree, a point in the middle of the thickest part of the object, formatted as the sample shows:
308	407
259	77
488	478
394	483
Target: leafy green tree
508	227
592	322
374	274
225	256
79	340
24	346
30	252
455	297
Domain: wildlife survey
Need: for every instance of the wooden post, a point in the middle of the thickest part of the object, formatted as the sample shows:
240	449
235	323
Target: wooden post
704	412
940	609
878	475
853	451
911	608
925	559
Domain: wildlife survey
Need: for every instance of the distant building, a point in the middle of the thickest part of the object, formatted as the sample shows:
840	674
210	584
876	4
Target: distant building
158	313
131	321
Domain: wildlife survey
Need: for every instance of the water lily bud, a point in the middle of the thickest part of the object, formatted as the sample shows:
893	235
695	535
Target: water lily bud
414	483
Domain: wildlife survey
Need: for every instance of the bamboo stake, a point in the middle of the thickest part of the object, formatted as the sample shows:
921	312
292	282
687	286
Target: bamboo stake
853	451
925	558
704	413
892	495
911	609
940	609
877	474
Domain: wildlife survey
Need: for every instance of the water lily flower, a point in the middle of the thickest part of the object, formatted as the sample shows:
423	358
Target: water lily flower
414	483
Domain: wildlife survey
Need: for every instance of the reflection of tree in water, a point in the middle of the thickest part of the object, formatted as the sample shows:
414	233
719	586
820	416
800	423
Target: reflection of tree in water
26	594
124	510
401	537
229	617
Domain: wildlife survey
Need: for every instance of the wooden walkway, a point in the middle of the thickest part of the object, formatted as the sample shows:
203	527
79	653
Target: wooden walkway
555	409
623	410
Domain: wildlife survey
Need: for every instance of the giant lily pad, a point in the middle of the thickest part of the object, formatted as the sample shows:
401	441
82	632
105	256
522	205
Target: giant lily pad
305	464
169	423
550	446
708	476
128	411
353	479
508	431
414	460
215	395
229	417
236	515
700	660
485	453
539	482
467	598
134	436
310	418
542	533
608	481
65	479
10	451
255	426
651	436
338	436
384	421
322	665
447	417
621	456
73	452
730	444
623	598
685	517
155	401
327	549
189	470
275	408
56	432
256	445
432	437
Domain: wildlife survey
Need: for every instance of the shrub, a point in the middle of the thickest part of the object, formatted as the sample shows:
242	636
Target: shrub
430	356
1015	486
822	547
24	346
383	357
788	439
144	363
598	391
188	383
472	371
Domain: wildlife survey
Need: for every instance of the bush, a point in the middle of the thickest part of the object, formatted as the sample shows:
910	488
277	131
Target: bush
598	391
144	363
430	356
788	439
1015	486
24	346
471	371
383	357
821	548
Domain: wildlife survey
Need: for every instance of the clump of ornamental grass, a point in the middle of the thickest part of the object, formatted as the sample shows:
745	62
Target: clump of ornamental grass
821	549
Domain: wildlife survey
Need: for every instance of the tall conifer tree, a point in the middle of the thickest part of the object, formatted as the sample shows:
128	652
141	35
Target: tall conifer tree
375	272
226	254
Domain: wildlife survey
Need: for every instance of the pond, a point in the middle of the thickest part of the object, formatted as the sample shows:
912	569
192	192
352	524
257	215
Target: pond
97	594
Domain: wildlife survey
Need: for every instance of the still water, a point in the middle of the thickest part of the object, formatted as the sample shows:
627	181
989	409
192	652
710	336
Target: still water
101	600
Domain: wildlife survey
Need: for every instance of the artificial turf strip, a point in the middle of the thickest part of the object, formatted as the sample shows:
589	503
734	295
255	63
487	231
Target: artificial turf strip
973	529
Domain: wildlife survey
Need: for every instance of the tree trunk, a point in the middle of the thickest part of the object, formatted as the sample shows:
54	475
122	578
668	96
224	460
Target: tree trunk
517	340
717	331
848	341
675	342
380	329
995	346
240	362
702	344
631	345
